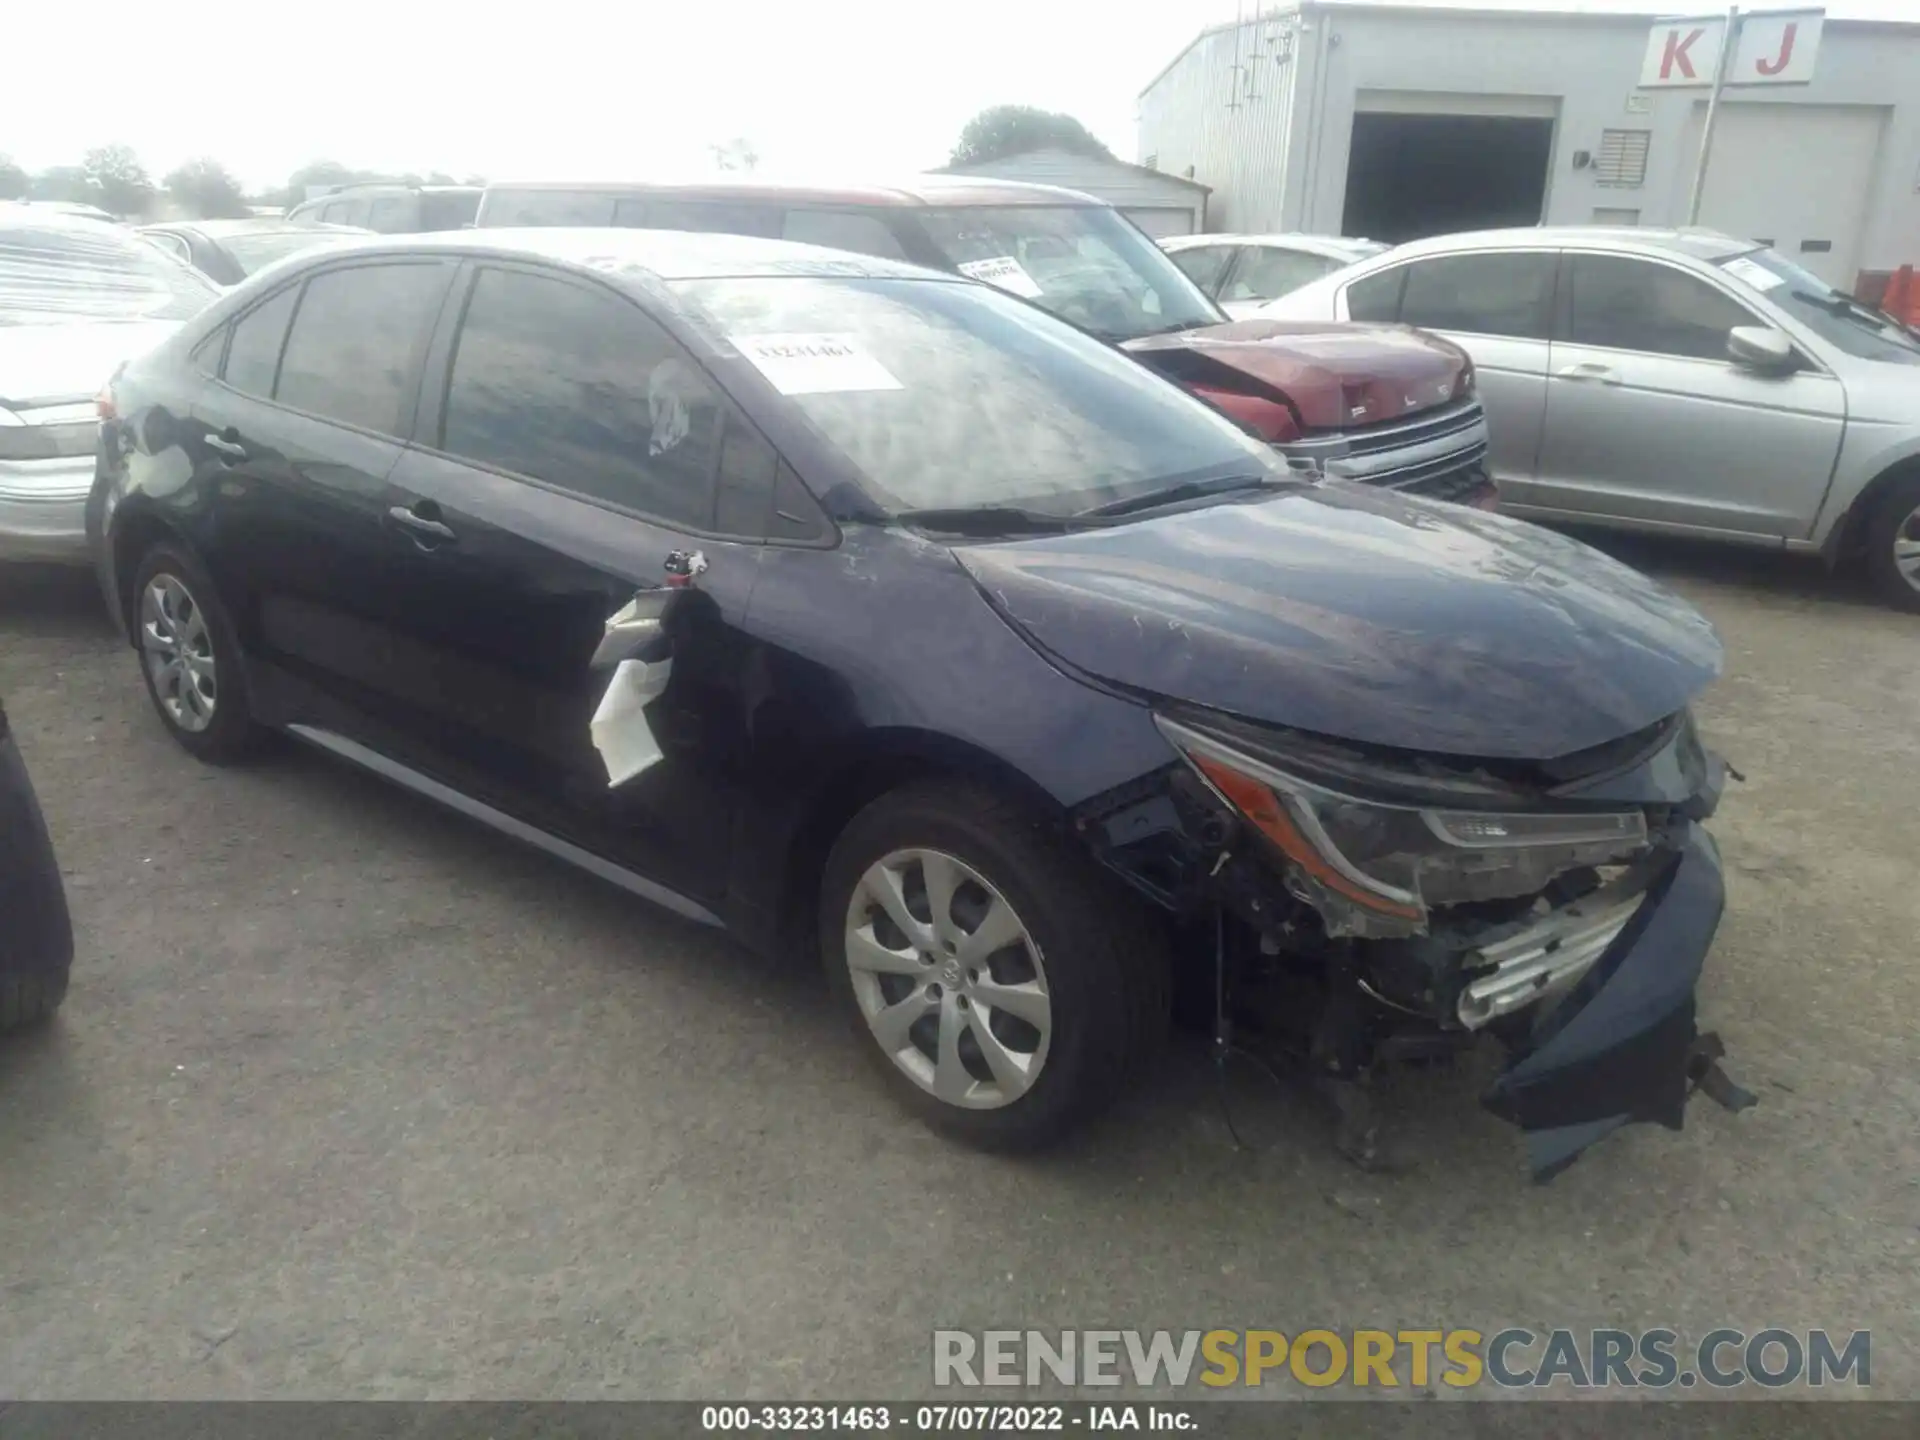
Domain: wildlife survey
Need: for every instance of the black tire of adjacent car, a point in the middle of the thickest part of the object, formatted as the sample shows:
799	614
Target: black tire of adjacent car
29	999
233	734
1105	959
1883	528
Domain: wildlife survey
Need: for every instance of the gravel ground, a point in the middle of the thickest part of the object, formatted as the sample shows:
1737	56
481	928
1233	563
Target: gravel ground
351	1097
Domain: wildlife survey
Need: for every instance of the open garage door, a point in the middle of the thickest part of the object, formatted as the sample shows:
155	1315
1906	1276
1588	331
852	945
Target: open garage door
1411	174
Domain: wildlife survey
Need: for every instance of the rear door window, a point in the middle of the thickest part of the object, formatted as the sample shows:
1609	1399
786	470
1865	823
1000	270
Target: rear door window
1506	293
1204	264
253	356
843	230
548	207
1623	304
448	209
354	351
577	388
712	217
390	214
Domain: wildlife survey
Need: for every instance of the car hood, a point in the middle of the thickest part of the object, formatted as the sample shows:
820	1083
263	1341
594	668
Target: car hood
41	363
1337	376
1365	616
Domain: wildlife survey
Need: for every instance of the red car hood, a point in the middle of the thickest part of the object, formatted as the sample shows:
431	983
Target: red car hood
1337	376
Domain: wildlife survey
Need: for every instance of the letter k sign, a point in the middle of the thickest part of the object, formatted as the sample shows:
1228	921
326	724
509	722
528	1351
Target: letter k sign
1674	57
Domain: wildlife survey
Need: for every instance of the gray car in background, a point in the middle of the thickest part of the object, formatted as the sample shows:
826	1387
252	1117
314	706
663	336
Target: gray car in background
1676	381
77	298
1243	272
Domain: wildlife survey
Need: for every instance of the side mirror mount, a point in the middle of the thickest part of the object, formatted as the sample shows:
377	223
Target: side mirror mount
1760	348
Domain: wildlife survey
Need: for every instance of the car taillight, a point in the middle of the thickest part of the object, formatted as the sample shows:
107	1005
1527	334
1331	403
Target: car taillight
1272	420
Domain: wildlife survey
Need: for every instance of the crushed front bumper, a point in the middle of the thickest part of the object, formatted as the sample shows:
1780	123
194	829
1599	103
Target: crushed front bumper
1621	1044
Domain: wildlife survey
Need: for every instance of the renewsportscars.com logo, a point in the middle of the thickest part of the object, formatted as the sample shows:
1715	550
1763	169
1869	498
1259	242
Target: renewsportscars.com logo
1656	1359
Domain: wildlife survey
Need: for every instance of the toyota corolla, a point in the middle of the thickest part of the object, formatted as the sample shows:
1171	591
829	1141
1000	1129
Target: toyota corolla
846	604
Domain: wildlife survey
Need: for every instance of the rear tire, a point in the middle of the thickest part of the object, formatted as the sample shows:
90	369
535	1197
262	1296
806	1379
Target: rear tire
190	658
27	1000
1046	1026
1893	544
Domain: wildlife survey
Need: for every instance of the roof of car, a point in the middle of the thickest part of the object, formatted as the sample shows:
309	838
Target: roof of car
1698	243
659	254
259	225
912	191
1316	244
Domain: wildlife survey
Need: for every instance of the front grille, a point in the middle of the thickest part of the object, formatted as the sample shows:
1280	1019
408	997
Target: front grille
1442	454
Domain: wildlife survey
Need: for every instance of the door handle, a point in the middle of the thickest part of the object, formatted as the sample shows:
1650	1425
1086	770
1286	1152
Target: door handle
1589	370
232	449
419	524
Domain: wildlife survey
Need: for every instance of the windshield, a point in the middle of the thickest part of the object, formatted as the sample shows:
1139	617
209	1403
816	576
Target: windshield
1835	317
254	249
56	274
946	396
1084	263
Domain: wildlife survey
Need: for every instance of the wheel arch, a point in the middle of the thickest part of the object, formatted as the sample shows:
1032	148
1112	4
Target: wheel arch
882	761
137	529
1849	533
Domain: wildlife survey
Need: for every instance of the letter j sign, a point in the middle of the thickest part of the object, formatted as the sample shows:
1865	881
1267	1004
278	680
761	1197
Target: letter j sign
1775	47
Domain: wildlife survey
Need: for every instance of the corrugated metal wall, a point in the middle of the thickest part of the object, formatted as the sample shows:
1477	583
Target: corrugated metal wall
1224	108
1121	186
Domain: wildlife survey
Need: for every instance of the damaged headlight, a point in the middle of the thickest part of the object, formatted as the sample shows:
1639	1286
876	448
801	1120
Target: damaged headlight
1374	867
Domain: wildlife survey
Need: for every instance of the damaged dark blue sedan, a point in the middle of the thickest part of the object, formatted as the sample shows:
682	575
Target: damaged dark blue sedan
852	606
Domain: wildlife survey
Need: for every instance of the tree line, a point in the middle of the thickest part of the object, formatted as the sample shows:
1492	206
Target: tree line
113	178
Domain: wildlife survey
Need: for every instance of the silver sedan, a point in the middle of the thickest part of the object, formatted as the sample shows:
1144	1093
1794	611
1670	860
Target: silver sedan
77	297
1676	381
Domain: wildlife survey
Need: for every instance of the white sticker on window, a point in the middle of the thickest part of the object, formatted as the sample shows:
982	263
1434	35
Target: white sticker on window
815	364
1754	273
1004	271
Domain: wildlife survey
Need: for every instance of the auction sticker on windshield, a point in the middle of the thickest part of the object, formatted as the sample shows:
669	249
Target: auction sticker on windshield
1006	272
1754	273
815	364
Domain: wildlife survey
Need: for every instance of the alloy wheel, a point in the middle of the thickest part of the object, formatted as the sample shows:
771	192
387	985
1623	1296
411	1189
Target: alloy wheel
948	978
1906	548
177	648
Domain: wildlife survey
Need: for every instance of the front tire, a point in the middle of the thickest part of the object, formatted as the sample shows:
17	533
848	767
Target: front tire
189	657
1003	986
1893	545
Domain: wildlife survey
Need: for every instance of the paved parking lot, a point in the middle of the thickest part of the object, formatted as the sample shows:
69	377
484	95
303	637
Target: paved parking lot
353	1097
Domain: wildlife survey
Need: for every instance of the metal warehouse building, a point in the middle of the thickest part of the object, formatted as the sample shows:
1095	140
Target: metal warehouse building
1395	122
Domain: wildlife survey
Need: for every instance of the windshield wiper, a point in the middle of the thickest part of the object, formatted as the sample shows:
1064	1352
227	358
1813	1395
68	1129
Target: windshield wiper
1174	494
985	520
1834	303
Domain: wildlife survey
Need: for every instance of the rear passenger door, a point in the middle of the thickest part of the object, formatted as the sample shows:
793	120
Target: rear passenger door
1497	305
295	441
567	447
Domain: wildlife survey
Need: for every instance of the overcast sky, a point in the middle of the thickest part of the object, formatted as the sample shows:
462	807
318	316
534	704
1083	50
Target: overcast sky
572	89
